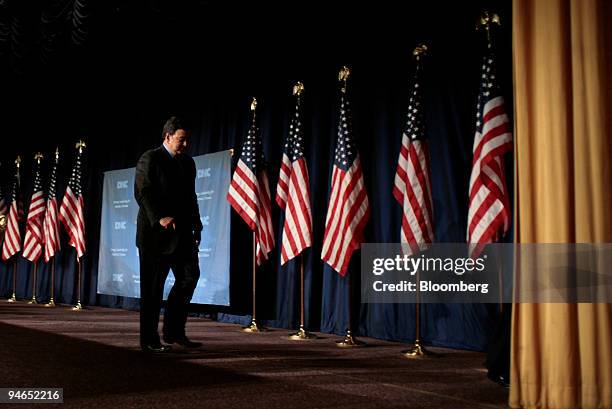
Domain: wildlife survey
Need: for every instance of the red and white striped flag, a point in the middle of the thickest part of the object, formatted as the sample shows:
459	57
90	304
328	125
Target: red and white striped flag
50	225
3	211
71	210
32	244
12	236
348	210
249	193
489	210
412	187
297	231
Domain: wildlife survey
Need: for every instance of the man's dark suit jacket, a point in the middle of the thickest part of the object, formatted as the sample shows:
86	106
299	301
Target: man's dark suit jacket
165	186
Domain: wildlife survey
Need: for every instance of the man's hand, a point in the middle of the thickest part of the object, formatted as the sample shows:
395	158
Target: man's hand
167	222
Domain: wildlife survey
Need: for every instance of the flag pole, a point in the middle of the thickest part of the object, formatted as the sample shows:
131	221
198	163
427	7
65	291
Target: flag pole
78	306
417	350
33	300
14	296
38	157
254	326
302	334
51	302
486	21
349	341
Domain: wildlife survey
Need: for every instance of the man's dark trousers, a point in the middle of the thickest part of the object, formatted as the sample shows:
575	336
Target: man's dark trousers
154	268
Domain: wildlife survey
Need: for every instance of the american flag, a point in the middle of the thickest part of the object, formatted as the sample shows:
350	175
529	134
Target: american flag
249	192
50	226
297	231
32	244
412	187
3	210
71	209
489	210
348	209
12	236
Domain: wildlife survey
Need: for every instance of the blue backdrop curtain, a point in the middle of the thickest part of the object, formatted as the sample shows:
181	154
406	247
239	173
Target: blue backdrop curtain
120	107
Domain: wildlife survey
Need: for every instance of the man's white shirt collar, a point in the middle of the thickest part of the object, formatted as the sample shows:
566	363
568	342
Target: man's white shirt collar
168	150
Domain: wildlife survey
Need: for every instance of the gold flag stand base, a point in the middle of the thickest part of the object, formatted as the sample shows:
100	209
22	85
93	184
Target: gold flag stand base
349	342
417	351
78	307
51	303
33	301
13	298
254	327
302	335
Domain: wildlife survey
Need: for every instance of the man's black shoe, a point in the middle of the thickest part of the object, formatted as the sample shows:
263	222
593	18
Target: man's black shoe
156	348
182	341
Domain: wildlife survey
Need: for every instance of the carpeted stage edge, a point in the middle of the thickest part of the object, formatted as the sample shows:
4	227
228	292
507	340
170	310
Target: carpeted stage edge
93	354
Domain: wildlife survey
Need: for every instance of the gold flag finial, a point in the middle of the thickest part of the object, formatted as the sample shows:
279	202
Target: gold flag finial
344	73
57	154
343	76
298	88
18	161
488	19
80	145
38	157
254	104
419	51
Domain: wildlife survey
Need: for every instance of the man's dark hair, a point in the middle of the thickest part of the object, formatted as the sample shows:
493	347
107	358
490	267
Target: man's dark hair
172	125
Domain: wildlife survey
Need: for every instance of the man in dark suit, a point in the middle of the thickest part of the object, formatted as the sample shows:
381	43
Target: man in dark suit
167	236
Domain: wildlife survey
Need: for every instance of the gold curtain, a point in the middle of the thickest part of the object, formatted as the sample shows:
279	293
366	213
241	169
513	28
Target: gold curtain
562	353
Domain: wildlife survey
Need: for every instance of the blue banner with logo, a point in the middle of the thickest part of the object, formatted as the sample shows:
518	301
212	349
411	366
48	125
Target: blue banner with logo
118	266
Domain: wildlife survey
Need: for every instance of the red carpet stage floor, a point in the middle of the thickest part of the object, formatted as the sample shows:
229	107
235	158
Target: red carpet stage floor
94	356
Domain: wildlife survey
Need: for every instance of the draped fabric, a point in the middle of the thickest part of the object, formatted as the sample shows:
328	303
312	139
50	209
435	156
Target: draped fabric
562	353
37	33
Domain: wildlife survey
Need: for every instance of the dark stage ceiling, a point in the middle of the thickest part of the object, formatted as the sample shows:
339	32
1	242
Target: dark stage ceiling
62	59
